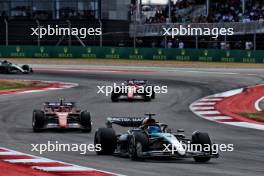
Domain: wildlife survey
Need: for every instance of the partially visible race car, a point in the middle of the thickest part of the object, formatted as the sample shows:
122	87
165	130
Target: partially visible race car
8	67
61	115
133	90
150	139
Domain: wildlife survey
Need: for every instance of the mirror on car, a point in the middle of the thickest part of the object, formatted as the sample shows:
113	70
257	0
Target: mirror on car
180	130
169	130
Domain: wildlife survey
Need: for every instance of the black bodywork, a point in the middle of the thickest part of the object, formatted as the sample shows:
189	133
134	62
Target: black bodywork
8	68
133	90
151	144
61	115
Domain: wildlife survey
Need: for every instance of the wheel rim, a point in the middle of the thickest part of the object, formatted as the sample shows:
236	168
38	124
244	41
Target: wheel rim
131	149
138	149
34	120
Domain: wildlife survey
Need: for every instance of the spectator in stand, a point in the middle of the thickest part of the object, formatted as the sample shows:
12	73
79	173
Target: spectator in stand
238	45
169	44
248	45
221	11
215	44
163	43
181	45
153	44
3	15
223	45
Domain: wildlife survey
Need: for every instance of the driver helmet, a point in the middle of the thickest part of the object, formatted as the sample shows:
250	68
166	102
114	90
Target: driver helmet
148	121
153	129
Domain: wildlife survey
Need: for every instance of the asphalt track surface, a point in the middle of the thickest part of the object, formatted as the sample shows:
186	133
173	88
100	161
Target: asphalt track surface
173	108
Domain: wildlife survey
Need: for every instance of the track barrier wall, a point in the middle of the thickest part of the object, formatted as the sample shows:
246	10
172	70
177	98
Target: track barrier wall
206	55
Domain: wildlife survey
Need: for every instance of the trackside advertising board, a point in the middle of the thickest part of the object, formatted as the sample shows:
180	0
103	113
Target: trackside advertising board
206	55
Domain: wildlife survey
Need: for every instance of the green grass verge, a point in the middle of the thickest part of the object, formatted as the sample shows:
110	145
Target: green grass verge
6	85
257	116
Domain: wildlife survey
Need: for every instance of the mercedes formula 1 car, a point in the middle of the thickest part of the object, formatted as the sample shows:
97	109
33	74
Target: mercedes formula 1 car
8	67
61	115
133	90
150	139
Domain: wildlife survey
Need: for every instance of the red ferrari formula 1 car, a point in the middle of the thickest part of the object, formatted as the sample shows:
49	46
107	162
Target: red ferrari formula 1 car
133	90
61	115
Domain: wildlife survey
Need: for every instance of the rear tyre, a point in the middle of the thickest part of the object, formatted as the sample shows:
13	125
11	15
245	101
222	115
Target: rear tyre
205	141
114	96
153	95
85	121
106	137
147	94
138	143
26	68
8	70
147	97
38	120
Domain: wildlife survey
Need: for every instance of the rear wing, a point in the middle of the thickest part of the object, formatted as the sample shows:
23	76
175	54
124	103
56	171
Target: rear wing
124	121
50	104
137	81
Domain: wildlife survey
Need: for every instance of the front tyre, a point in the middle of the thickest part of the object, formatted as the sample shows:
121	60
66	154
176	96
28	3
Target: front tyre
138	143
85	121
115	96
38	120
204	140
106	138
26	67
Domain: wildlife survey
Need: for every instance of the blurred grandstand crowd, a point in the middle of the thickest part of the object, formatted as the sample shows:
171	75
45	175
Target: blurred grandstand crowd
220	11
195	11
179	11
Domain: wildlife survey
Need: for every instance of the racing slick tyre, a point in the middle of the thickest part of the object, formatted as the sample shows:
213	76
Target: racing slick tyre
8	70
26	67
147	97
153	95
85	121
114	96
138	143
106	137
38	120
147	94
204	140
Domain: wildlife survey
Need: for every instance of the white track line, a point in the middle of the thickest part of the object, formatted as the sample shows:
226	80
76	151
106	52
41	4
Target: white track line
35	160
229	93
204	108
10	153
63	168
222	117
210	103
246	125
212	99
257	107
208	112
195	109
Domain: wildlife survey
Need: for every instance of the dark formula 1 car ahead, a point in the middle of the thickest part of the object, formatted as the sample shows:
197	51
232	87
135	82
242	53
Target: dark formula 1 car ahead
133	90
8	67
61	115
150	139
